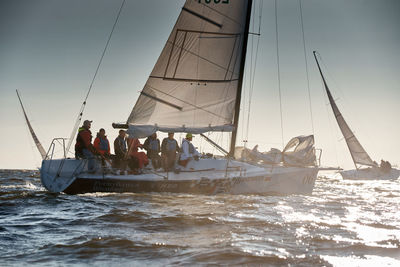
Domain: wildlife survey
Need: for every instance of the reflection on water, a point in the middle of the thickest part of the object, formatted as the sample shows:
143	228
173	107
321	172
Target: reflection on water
343	223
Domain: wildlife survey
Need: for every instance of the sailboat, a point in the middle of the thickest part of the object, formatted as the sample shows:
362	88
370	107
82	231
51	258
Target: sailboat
366	168
195	87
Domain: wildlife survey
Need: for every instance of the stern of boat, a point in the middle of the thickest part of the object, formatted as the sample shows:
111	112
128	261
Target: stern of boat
57	174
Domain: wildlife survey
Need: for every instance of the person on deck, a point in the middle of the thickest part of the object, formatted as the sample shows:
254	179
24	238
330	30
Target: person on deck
169	150
189	152
133	152
385	166
120	150
102	144
152	146
83	147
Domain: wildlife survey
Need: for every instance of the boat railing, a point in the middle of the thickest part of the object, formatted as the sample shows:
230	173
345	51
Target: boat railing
54	148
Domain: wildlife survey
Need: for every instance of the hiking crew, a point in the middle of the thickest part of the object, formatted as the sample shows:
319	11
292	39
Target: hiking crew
152	146
83	147
169	152
189	152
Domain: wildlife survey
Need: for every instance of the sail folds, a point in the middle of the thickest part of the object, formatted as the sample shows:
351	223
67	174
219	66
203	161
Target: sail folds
194	83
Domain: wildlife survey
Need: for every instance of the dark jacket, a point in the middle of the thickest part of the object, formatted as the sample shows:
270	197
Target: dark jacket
120	147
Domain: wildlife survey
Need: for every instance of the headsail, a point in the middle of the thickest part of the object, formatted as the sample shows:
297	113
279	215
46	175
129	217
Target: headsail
193	86
358	153
35	139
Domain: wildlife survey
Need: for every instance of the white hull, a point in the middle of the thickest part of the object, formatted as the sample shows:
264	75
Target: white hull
207	176
370	174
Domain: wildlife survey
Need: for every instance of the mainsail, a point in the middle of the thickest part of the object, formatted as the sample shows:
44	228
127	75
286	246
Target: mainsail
35	139
193	86
358	153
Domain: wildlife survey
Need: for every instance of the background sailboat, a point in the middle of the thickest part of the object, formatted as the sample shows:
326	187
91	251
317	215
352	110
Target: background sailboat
358	153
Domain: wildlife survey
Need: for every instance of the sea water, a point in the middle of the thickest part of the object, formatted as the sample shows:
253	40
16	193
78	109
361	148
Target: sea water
343	223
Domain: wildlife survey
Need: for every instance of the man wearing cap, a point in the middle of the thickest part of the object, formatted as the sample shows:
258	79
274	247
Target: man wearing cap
188	151
83	146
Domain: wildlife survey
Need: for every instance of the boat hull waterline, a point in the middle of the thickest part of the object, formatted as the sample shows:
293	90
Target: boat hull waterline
276	180
370	174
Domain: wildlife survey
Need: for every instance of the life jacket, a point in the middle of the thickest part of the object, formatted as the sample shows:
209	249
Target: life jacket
154	145
171	145
80	139
191	146
103	145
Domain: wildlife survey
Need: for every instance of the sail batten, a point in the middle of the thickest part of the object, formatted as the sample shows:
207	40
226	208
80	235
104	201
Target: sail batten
358	153
195	80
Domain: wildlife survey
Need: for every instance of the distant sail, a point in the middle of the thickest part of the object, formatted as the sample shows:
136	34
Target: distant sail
35	139
358	153
194	83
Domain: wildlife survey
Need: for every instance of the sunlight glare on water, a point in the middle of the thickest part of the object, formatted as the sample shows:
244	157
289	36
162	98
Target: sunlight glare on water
343	223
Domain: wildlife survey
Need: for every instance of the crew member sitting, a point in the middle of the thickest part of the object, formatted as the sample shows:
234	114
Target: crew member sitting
102	144
152	146
189	152
83	147
133	147
169	150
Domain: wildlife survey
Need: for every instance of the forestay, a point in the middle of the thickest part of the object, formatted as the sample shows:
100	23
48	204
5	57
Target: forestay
193	85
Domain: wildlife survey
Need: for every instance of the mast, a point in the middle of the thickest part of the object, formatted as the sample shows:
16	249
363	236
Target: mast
332	101
35	139
240	82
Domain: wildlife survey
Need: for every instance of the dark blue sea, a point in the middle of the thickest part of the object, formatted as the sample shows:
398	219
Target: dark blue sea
343	223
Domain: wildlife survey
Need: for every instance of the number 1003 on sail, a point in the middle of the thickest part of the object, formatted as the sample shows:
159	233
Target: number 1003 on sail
214	1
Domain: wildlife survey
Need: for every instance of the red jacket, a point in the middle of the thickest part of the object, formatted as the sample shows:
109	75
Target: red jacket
84	140
133	144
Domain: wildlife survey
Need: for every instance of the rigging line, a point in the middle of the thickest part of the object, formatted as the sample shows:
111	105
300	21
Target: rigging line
279	71
80	114
332	128
254	73
306	62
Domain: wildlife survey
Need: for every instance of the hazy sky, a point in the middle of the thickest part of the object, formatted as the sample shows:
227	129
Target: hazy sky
49	50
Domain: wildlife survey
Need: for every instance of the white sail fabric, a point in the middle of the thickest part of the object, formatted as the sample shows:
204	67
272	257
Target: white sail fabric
34	137
299	151
193	85
358	153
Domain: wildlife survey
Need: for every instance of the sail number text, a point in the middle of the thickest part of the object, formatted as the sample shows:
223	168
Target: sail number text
214	1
